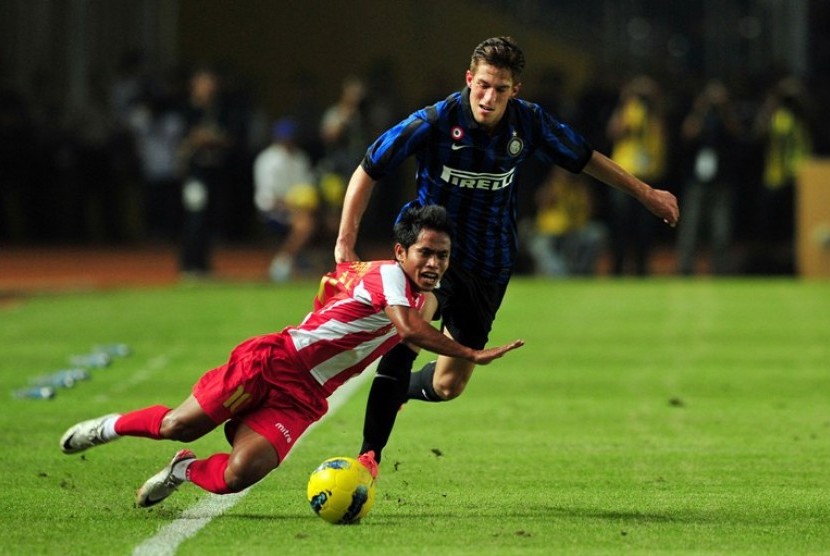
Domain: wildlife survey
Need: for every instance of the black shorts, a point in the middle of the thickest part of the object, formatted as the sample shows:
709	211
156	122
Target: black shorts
468	306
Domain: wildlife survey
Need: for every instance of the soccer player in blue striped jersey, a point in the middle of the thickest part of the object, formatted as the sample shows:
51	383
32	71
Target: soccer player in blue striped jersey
468	148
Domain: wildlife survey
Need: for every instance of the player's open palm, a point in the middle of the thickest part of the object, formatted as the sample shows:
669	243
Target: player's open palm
484	356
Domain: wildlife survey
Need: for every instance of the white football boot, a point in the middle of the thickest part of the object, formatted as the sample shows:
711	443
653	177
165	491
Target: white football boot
84	435
162	484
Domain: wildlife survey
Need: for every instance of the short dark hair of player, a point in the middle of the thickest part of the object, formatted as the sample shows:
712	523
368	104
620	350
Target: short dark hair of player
414	219
501	52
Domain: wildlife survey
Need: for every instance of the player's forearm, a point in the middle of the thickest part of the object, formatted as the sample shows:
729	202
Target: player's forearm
609	172
661	203
354	205
426	337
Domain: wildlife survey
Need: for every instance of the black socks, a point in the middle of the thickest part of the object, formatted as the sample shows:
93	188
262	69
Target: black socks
387	394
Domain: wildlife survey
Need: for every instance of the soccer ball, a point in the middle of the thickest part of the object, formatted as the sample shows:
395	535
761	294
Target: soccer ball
341	490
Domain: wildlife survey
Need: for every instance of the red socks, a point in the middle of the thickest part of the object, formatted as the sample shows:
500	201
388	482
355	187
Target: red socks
143	422
210	473
207	473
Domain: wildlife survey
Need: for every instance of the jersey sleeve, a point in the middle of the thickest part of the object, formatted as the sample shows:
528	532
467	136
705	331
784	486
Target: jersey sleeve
339	283
386	286
559	143
396	289
396	144
379	284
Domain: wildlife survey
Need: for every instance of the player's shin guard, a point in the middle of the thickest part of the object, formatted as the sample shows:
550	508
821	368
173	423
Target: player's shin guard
385	398
209	473
145	422
420	385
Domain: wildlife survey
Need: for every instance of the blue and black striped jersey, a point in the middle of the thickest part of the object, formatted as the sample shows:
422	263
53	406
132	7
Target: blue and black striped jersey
471	172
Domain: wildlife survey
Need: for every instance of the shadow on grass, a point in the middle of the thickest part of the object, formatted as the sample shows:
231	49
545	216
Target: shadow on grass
531	514
713	516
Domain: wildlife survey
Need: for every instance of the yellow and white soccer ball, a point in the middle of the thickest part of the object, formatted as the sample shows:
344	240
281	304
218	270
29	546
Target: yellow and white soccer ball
341	490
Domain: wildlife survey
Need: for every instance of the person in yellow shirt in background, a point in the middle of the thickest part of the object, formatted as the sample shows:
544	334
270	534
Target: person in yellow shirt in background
783	129
563	239
637	130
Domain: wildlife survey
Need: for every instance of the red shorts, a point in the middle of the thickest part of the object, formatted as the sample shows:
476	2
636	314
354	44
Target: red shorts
280	409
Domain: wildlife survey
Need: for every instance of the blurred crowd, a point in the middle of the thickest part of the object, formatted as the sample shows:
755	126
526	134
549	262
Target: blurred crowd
192	159
730	153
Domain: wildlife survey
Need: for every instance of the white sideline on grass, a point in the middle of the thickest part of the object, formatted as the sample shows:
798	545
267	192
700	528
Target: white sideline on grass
167	540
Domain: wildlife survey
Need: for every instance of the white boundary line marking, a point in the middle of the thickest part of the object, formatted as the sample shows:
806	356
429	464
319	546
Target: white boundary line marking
167	539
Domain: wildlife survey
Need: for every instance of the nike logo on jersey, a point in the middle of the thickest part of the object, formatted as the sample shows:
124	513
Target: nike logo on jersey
457	147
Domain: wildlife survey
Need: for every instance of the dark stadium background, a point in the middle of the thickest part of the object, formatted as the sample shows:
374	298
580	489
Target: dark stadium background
55	56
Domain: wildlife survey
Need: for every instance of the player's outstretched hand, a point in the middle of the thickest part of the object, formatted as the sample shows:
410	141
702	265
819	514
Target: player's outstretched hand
663	204
484	356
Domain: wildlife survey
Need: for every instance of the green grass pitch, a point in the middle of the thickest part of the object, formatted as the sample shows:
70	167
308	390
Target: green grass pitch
642	417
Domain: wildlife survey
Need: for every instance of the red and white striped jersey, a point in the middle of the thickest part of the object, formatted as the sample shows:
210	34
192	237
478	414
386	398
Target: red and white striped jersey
349	328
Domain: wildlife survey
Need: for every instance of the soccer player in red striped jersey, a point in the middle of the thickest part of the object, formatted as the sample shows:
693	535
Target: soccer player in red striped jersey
274	386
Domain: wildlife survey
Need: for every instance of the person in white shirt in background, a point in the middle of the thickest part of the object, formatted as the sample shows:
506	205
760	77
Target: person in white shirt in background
285	196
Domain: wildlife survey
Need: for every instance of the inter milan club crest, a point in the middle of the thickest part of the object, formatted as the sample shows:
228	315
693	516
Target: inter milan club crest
457	133
515	145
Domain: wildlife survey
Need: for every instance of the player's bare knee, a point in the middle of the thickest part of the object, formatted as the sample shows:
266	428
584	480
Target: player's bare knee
237	482
242	473
173	428
450	380
449	390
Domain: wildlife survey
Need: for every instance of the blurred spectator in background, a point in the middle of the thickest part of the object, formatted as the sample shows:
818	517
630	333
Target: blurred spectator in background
638	133
344	133
249	125
710	133
305	109
343	128
206	156
782	126
382	109
381	106
158	125
285	195
129	86
550	92
564	239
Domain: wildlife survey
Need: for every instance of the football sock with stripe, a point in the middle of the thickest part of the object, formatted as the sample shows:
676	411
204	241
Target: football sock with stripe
420	385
